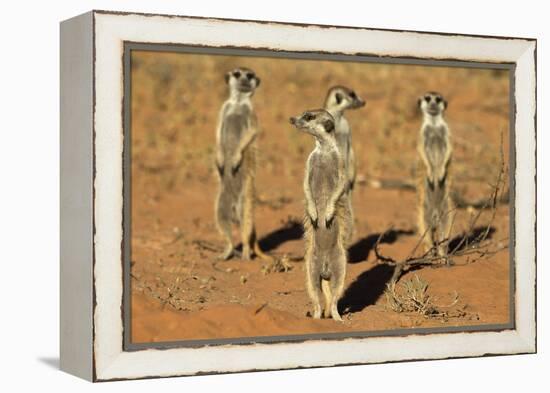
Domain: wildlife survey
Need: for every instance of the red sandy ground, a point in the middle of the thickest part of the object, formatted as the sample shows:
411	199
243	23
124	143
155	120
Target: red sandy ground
180	291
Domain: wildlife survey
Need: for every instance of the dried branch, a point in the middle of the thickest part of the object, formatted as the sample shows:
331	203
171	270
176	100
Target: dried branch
473	245
414	298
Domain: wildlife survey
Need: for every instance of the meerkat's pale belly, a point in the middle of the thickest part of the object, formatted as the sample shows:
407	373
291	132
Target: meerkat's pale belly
324	181
234	127
435	145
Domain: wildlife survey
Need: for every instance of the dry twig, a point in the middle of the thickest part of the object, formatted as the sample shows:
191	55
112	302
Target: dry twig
278	265
414	298
473	244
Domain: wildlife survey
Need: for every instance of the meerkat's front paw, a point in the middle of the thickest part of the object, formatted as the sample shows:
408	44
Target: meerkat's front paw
441	178
236	163
431	183
329	216
314	222
312	213
219	161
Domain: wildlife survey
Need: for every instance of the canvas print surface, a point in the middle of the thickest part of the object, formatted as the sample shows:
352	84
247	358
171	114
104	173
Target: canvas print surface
275	196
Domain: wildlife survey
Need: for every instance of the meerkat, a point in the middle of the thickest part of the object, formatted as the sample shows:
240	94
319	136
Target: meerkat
236	163
325	223
338	100
436	211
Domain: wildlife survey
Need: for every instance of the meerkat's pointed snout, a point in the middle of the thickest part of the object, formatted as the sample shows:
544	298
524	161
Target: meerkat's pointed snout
292	120
317	122
358	102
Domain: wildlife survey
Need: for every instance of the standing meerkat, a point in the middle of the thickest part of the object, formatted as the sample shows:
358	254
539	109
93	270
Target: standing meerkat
338	100
325	222
236	163
436	211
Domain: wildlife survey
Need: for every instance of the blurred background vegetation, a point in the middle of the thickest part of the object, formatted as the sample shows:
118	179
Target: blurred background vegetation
176	98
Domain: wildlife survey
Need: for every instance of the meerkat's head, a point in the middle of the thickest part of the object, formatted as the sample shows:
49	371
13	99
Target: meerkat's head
432	104
242	80
318	123
342	98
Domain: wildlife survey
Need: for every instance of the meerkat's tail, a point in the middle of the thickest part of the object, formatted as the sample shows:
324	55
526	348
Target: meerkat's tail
327	293
258	250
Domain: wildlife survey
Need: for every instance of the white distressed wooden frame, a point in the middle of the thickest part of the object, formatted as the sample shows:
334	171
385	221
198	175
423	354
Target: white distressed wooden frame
91	167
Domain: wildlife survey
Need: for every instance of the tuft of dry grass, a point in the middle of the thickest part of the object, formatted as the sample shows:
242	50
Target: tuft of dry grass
413	297
278	265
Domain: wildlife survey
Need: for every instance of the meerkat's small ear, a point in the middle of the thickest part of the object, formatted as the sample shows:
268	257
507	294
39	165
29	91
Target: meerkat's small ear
258	80
445	104
227	76
328	125
419	103
338	97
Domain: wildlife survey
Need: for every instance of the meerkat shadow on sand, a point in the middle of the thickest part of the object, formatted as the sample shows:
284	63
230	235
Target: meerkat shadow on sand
361	249
366	289
473	237
290	230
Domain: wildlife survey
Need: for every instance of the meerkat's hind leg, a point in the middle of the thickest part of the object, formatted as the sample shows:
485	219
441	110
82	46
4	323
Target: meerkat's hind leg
223	221
449	259
445	233
337	287
325	288
247	219
313	285
350	221
315	295
258	252
229	250
423	220
425	228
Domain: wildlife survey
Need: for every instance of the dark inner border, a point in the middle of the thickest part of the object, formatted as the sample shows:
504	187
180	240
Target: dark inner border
265	52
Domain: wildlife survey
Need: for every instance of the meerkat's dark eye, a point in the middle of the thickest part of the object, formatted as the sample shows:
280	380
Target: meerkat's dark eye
237	74
427	98
353	95
308	116
249	75
328	125
438	99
